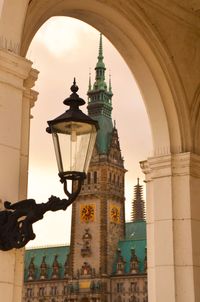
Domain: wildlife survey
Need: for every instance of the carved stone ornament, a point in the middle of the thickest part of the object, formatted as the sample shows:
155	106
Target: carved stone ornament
55	268
86	249
86	269
134	262
43	269
120	262
31	270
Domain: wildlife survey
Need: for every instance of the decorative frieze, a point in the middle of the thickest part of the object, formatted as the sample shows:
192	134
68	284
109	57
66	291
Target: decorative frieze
14	69
171	165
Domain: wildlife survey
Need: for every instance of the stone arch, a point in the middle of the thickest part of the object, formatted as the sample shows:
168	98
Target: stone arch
195	119
147	54
143	52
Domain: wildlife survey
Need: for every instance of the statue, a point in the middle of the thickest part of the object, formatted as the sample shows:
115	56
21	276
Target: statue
17	219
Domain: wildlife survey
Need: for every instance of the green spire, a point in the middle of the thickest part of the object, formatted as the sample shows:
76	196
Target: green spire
100	57
100	102
100	63
90	85
100	68
110	86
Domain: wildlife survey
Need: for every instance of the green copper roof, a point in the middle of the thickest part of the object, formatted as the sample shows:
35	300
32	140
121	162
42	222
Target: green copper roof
125	246
100	103
135	230
49	252
135	238
135	233
104	134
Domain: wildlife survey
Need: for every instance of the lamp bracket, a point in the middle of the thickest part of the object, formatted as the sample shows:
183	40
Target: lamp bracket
17	219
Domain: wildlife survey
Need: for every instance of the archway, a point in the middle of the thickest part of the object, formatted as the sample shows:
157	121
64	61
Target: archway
144	55
173	180
160	88
147	61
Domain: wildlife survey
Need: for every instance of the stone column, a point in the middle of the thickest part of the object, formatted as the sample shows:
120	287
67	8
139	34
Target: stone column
173	224
16	98
28	101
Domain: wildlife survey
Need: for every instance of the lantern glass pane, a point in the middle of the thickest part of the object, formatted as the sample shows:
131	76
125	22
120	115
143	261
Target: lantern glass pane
57	151
74	144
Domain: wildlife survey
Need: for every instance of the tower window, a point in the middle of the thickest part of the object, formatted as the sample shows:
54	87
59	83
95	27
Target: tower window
41	291
53	290
120	266
65	291
89	178
29	292
133	287
95	177
119	287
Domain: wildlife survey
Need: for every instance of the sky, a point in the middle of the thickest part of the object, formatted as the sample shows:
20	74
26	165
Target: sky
62	49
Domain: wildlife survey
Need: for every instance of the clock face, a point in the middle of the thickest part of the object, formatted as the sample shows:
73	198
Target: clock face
87	212
115	214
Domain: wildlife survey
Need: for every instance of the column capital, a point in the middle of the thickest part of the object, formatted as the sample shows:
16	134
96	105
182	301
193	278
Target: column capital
16	71
171	165
29	82
30	94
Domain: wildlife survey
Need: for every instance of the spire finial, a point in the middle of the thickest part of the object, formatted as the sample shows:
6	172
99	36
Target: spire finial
90	85
74	87
110	86
138	181
100	57
74	99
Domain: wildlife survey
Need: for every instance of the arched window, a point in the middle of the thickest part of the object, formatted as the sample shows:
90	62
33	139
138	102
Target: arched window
89	178
53	290
110	177
95	177
41	291
29	292
119	287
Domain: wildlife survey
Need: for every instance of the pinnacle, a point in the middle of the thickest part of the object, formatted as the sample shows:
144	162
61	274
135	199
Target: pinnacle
138	209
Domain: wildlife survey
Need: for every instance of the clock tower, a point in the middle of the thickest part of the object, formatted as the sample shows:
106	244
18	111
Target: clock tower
98	216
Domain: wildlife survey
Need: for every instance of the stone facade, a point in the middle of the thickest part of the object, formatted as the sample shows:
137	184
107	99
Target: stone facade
122	288
48	278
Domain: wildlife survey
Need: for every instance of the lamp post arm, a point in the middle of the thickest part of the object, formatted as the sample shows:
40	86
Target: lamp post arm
17	219
75	184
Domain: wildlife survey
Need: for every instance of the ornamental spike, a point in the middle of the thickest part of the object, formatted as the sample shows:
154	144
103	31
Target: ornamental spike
100	57
110	86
